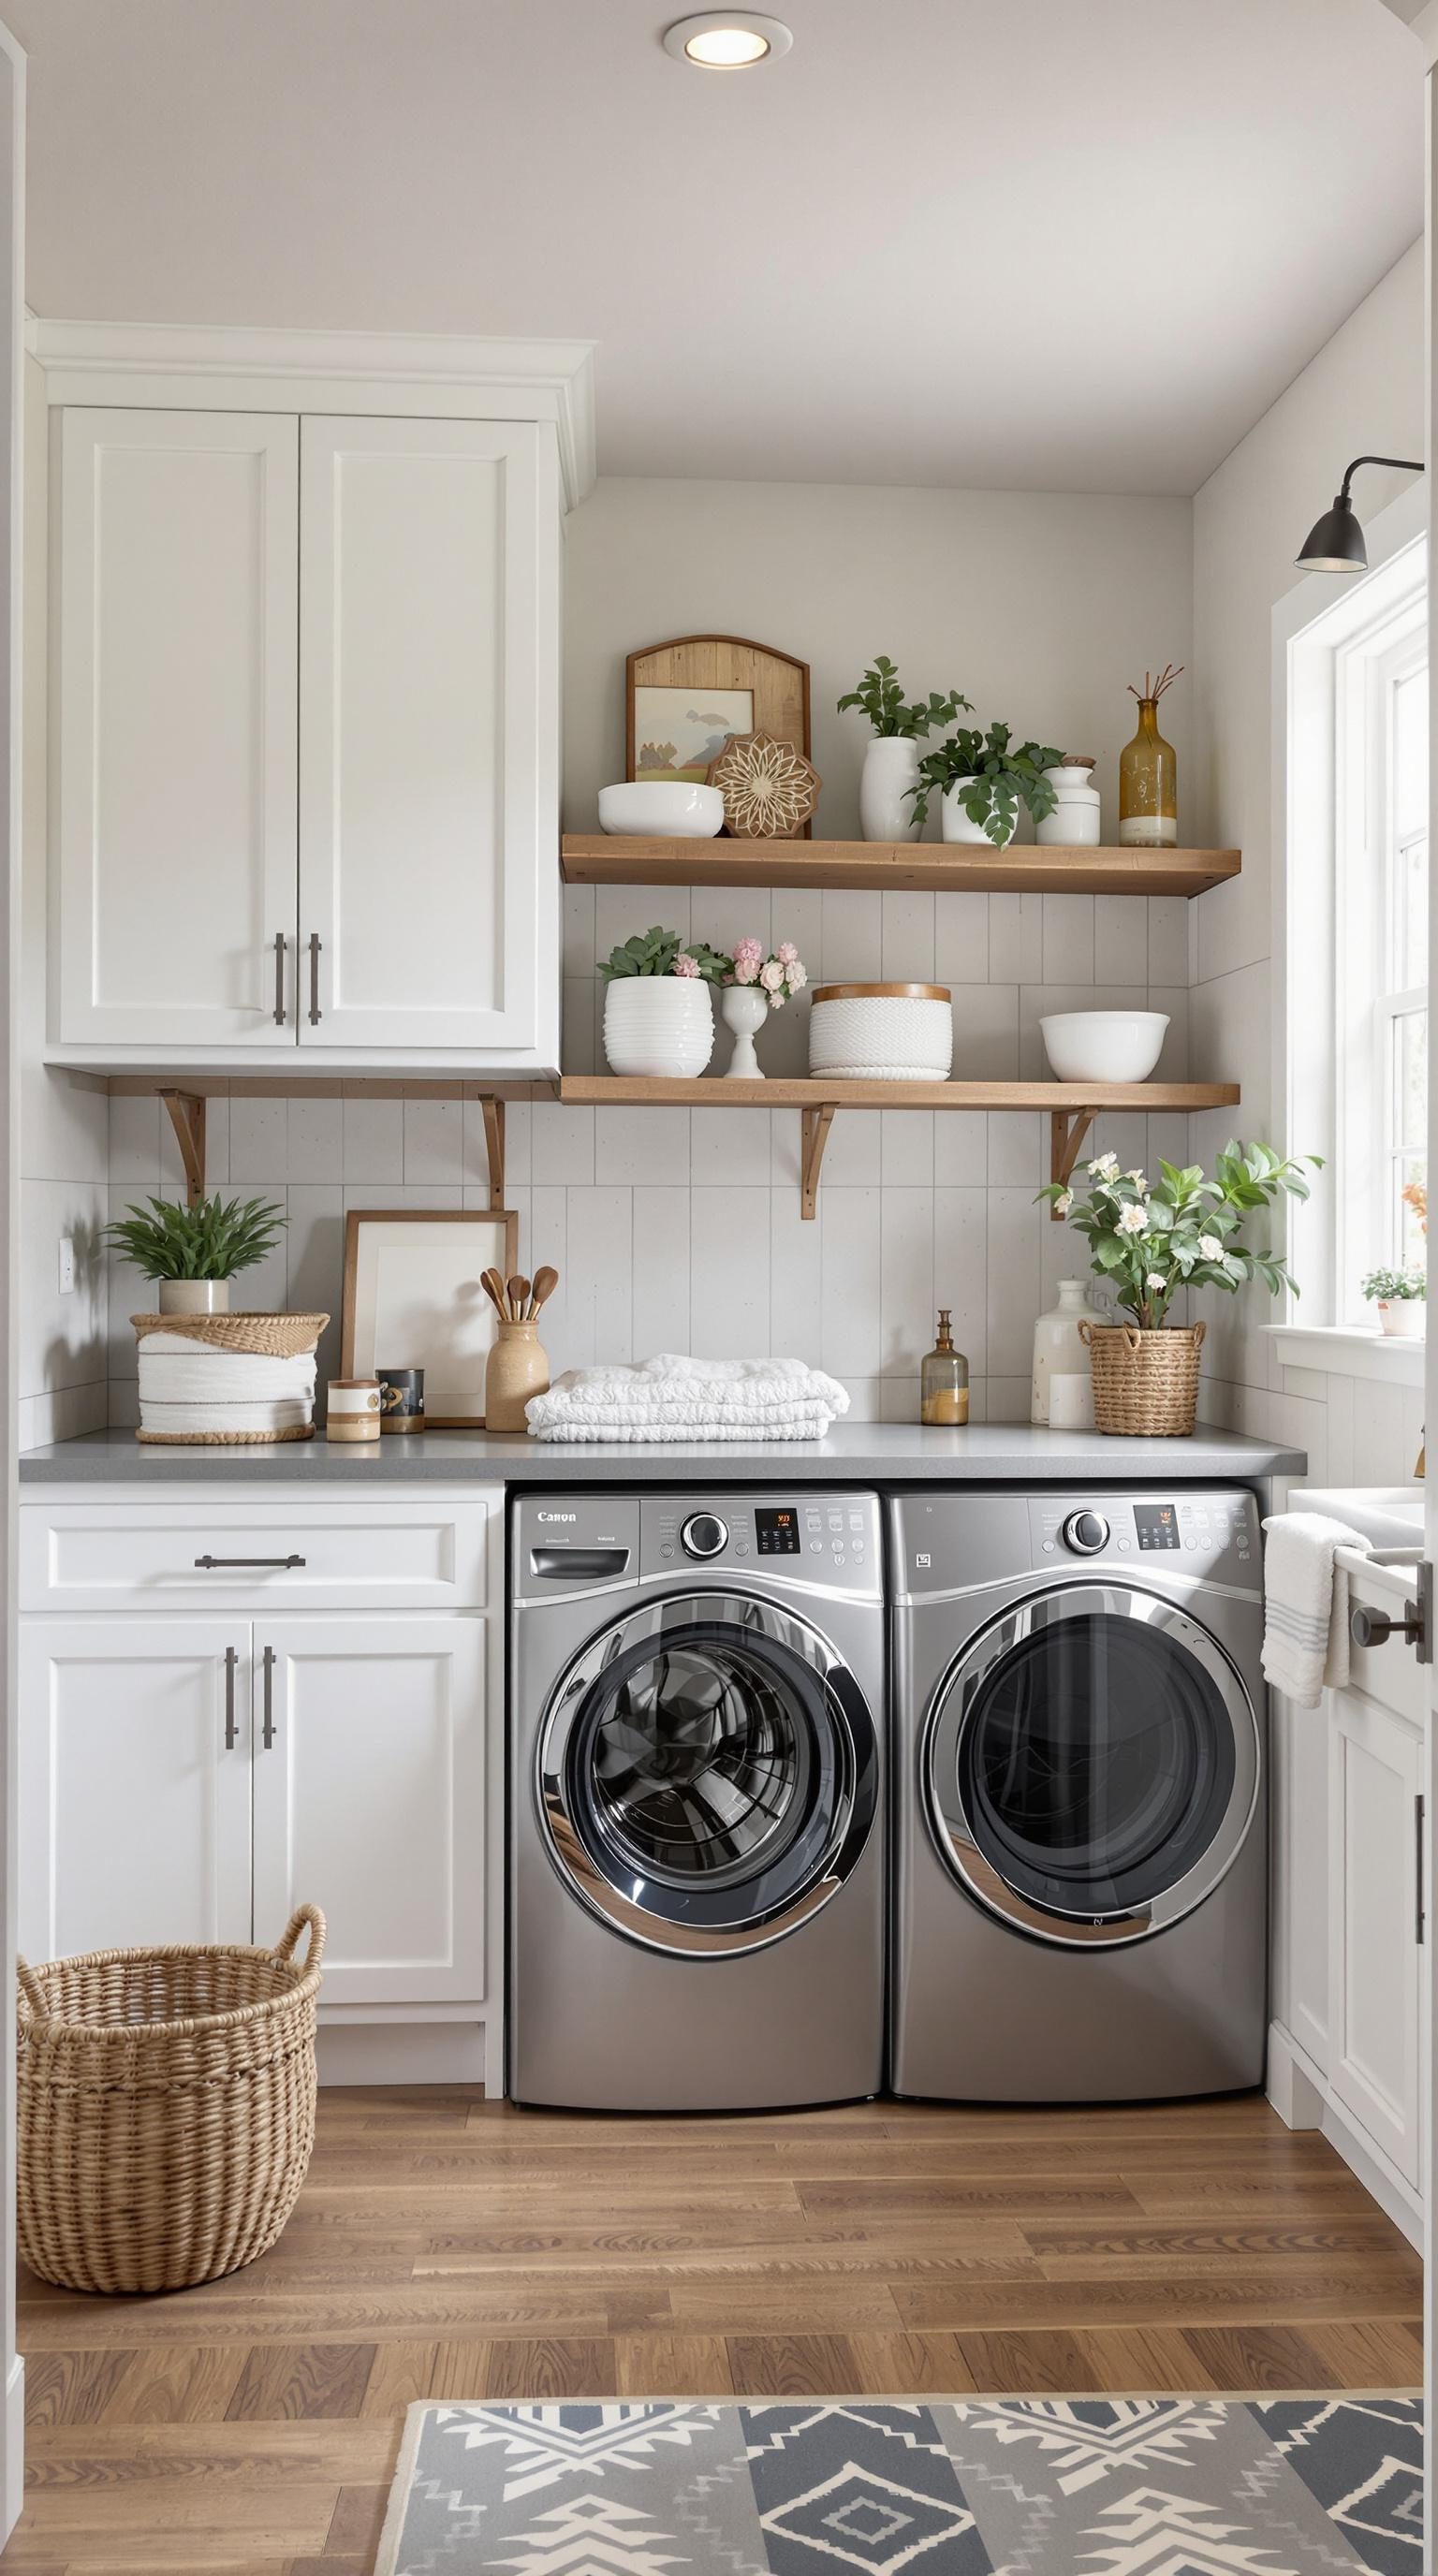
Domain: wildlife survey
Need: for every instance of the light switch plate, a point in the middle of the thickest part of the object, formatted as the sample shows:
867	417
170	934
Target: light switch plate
67	1264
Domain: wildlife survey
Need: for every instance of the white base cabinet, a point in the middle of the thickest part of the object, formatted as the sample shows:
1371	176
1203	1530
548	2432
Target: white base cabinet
188	1778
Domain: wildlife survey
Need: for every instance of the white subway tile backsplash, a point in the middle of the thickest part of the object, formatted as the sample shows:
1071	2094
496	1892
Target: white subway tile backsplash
1013	1281
961	938
986	1028
1015	1144
1120	939
907	938
621	911
373	1140
961	1259
796	1247
729	1282
852	1155
729	1147
961	1147
433	1143
661	1267
135	1140
633	1146
600	1305
259	1140
562	1142
906	1280
1016	939
1068	936
852	936
851	1342
906	1147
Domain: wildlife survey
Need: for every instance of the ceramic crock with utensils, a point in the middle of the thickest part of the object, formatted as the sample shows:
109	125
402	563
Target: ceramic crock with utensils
518	1366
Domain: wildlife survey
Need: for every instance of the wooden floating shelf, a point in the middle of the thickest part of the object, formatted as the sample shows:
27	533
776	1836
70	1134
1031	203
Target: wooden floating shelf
1072	1106
905	867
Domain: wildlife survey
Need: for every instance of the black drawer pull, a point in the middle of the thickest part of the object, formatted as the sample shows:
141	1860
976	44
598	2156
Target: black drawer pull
206	1564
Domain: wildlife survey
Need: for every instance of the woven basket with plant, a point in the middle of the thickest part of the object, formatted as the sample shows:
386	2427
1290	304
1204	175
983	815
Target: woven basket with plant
1151	1242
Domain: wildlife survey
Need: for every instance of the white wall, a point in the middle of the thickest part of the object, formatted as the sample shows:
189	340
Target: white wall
1364	391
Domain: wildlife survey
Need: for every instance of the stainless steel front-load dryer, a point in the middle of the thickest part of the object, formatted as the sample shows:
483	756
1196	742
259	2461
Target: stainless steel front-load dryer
696	1898
1080	1906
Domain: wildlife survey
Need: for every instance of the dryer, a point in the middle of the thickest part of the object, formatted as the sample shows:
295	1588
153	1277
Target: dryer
696	1897
1081	1881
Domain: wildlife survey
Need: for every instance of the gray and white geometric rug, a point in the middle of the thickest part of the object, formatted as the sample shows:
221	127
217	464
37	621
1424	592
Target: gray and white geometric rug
1091	2486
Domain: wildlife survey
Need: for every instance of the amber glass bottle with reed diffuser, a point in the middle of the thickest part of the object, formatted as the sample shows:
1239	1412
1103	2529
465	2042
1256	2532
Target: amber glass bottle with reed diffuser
1148	773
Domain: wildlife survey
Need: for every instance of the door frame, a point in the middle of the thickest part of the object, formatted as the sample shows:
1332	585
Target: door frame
12	376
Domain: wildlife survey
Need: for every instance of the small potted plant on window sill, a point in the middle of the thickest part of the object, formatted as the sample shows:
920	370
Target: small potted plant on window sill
658	1010
891	763
194	1252
1401	1298
1150	1241
984	778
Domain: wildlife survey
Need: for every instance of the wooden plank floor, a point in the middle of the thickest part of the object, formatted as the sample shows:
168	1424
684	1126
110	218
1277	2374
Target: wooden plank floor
448	2247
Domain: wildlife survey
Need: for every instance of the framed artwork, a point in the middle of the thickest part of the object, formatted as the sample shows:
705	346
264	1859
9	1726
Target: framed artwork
683	700
413	1300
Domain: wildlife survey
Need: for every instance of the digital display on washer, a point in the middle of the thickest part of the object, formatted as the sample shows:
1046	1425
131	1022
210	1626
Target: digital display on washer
777	1531
1156	1524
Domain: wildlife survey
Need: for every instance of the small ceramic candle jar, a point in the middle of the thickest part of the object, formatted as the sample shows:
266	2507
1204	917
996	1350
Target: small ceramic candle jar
354	1409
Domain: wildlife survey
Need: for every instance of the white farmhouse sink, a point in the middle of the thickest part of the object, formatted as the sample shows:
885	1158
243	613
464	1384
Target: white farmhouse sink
1386	1515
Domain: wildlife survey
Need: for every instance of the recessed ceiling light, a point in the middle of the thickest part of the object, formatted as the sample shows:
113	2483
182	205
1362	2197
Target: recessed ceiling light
728	40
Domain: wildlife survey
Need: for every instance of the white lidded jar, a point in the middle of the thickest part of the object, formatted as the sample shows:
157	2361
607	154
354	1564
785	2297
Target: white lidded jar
1060	1353
1076	821
886	808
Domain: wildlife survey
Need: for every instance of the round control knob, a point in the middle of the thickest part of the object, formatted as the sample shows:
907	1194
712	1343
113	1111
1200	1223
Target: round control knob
703	1534
1085	1533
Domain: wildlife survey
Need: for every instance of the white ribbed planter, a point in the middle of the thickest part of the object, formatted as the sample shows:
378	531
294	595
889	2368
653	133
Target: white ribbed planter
882	1032
661	1025
886	812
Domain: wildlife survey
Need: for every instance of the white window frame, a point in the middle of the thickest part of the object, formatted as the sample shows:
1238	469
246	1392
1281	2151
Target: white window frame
1322	632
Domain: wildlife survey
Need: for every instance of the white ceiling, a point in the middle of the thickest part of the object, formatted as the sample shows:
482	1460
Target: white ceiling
1072	244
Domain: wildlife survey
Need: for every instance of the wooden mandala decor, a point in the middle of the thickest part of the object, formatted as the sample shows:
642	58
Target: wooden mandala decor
769	789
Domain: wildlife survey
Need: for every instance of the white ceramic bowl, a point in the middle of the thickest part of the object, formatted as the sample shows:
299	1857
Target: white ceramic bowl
662	808
882	1032
1104	1046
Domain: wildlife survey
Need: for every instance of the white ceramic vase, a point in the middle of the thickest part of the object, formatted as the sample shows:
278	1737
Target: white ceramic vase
1059	1353
1403	1318
958	826
745	1008
194	1296
659	1025
1077	820
886	813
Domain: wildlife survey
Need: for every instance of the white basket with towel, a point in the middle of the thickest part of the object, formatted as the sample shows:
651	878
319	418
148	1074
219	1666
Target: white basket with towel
674	1398
227	1381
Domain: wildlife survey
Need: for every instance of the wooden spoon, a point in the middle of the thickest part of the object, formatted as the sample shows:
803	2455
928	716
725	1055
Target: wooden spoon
545	1283
518	1288
493	1286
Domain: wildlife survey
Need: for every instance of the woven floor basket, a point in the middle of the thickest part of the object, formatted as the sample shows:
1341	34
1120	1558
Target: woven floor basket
1145	1383
166	2109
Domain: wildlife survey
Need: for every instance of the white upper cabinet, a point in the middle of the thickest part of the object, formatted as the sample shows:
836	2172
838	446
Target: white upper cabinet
175	753
427	710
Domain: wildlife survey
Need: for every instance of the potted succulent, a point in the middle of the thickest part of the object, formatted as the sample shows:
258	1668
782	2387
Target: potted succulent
658	1014
1401	1298
984	778
194	1252
754	986
1150	1241
891	763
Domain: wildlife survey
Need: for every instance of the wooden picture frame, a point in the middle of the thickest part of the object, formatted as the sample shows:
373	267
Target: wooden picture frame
775	684
449	1332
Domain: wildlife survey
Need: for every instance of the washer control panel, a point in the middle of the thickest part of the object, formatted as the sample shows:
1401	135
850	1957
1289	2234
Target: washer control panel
1190	1531
704	1534
808	1538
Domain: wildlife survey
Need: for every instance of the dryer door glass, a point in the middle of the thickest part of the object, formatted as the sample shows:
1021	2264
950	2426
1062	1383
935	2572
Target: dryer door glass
1096	1762
710	1781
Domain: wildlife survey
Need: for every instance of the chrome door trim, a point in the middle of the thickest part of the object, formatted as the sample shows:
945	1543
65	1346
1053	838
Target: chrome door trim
1054	1577
848	1834
951	1708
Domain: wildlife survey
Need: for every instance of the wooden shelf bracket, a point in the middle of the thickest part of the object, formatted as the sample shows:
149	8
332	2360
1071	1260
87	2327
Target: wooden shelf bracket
187	1117
1068	1128
494	1146
817	1123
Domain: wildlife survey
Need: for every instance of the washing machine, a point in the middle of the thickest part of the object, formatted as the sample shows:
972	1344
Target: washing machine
1079	1786
696	1775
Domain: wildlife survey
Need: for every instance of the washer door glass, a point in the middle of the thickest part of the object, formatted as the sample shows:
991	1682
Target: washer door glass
1101	1764
709	1780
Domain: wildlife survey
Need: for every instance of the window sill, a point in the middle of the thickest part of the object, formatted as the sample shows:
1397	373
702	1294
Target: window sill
1345	1350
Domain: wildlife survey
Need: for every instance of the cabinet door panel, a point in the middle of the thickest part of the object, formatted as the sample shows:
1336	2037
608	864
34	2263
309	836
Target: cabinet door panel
1374	1985
136	1813
176	795
428	673
369	1801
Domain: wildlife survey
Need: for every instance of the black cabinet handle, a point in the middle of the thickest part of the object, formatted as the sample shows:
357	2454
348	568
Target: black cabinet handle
206	1564
314	979
1420	1917
279	979
231	1728
267	1732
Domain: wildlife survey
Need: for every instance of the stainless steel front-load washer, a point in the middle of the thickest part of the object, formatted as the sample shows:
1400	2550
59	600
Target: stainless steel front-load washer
696	1897
1079	1784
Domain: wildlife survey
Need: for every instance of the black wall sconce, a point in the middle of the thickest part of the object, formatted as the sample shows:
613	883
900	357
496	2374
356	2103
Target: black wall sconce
1335	543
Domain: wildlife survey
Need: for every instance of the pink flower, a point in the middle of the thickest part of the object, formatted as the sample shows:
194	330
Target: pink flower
787	953
798	976
772	976
748	956
684	964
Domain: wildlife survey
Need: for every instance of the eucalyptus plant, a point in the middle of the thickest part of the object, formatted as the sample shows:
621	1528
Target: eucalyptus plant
662	952
1389	1287
880	693
211	1241
1001	777
1184	1231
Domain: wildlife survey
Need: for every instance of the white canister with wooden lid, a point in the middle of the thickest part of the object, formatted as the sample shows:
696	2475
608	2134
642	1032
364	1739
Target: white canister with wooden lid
882	1032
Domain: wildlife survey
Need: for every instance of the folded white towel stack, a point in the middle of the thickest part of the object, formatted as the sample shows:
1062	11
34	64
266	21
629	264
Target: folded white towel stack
674	1398
1305	1620
187	1388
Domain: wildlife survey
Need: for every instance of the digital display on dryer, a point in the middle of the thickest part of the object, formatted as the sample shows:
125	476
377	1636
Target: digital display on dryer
1156	1524
777	1530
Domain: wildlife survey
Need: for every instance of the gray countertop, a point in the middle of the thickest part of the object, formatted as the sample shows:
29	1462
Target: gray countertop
874	1453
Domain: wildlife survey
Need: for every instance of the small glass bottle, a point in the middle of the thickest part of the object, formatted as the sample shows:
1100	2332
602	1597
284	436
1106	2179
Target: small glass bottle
1148	777
945	1381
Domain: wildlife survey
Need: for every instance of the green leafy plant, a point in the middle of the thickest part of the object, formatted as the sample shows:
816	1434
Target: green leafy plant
1184	1232
1387	1287
1002	777
211	1241
880	693
662	952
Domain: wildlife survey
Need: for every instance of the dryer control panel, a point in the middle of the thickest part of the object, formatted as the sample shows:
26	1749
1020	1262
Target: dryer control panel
800	1537
1195	1533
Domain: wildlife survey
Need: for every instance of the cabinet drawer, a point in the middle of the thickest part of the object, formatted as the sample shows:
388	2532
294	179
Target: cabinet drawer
378	1555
